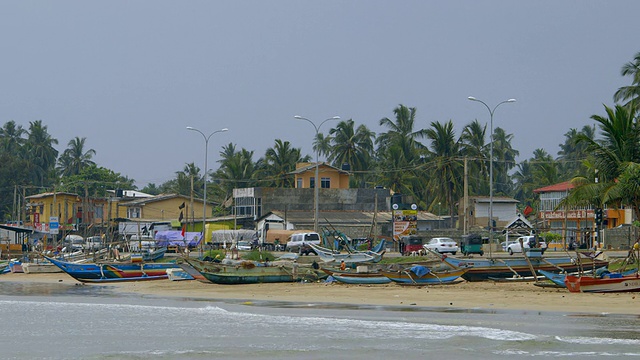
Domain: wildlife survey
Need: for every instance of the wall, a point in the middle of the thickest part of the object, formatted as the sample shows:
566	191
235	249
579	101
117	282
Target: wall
330	199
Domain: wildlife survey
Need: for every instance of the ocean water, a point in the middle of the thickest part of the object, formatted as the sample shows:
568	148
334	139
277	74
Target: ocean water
51	321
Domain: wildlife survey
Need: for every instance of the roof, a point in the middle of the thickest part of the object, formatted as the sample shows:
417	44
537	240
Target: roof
496	199
563	186
49	194
353	218
312	166
156	198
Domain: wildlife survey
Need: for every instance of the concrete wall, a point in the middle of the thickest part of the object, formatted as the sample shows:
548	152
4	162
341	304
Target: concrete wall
330	199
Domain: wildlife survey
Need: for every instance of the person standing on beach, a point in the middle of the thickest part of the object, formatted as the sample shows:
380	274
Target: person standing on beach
343	266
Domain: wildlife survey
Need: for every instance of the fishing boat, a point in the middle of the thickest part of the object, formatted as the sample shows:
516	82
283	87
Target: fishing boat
495	268
40	267
422	275
114	272
249	272
357	277
371	256
611	282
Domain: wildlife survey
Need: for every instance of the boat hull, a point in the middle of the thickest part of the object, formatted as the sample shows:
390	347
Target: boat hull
114	271
588	284
406	277
483	269
249	273
366	280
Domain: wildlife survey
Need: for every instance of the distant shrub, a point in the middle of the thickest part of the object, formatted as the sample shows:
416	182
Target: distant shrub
257	255
213	254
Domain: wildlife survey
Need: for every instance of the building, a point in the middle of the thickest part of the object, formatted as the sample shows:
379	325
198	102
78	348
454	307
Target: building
477	216
576	223
330	177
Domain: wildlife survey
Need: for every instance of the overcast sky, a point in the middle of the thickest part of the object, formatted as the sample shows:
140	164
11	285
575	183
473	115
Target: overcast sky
130	76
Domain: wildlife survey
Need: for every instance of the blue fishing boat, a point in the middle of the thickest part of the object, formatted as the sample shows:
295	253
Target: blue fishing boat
495	268
361	280
422	275
114	272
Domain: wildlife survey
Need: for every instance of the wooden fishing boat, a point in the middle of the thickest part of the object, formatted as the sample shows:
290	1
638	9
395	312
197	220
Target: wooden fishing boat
113	272
354	277
613	282
328	255
248	272
40	268
483	269
423	275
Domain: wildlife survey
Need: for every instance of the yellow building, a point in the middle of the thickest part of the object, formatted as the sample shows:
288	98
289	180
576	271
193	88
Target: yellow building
162	207
41	207
330	177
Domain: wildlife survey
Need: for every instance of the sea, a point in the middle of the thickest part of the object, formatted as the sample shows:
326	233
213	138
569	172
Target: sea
56	321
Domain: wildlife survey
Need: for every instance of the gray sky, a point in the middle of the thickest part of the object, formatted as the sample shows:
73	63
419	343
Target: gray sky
131	75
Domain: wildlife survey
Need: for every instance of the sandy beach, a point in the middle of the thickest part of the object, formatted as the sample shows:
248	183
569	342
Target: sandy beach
465	295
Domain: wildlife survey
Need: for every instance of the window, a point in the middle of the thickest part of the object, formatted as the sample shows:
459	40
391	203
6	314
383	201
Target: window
312	182
325	183
134	212
299	183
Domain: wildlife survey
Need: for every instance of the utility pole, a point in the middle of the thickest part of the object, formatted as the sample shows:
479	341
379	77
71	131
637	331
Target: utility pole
465	204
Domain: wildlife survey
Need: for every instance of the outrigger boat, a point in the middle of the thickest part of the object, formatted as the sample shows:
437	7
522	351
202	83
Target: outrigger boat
351	277
371	256
113	272
422	275
495	268
248	272
610	282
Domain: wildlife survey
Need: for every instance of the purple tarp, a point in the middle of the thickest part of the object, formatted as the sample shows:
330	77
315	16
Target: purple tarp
175	238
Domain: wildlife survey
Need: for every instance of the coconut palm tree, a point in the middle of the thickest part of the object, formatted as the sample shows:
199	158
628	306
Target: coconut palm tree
41	154
352	146
279	162
402	133
75	158
474	147
11	137
446	168
505	155
631	92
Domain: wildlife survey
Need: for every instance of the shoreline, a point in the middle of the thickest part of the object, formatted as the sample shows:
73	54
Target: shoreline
487	296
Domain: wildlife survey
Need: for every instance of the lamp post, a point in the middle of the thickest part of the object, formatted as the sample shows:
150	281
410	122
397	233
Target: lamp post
491	111
316	193
206	151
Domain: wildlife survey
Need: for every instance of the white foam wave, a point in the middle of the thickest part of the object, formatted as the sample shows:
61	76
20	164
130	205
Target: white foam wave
597	341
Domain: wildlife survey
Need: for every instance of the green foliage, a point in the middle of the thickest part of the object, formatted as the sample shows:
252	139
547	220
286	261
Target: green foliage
257	255
550	237
219	254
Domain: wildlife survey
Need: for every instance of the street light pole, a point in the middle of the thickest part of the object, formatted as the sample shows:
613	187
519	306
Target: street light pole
491	111
316	194
206	152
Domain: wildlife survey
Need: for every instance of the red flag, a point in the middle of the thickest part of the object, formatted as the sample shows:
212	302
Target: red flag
184	228
527	210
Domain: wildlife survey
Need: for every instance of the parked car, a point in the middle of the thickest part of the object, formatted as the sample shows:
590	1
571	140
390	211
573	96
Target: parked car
243	245
527	243
506	244
73	243
296	241
442	245
93	243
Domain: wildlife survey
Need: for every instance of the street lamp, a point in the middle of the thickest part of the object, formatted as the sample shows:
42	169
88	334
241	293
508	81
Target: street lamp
491	111
316	194
206	151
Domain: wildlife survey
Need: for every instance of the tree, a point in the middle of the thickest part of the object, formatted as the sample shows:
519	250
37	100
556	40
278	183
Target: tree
401	133
279	162
75	158
572	152
631	93
352	146
545	168
237	170
473	146
506	155
446	168
11	138
41	153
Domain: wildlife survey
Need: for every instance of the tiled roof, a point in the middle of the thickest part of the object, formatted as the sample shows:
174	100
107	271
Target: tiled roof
563	186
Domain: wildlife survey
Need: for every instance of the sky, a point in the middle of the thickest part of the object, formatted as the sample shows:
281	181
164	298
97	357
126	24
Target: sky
130	76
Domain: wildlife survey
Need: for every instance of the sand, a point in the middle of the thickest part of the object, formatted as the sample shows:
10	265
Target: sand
466	295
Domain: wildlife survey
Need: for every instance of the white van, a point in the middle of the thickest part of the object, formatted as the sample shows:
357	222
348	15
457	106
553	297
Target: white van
296	241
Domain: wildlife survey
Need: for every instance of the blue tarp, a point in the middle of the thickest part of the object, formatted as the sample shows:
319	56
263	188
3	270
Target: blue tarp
420	270
175	238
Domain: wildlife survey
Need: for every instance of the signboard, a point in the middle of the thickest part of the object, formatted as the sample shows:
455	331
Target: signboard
571	214
405	222
54	225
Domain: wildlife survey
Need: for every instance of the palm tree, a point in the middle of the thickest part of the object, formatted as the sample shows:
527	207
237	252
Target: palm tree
630	94
41	153
506	156
525	182
322	144
279	162
352	146
473	146
545	168
572	153
401	133
11	139
446	170
74	158
237	169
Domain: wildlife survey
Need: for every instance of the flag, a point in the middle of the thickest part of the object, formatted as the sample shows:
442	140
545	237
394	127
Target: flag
184	228
527	210
180	217
181	206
